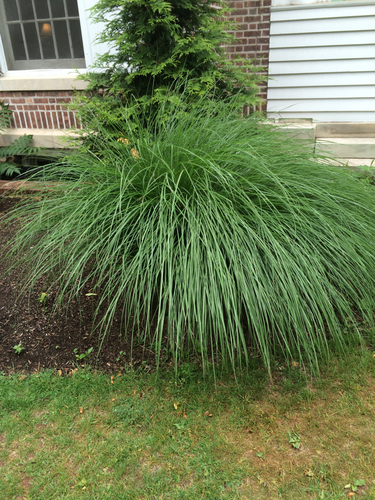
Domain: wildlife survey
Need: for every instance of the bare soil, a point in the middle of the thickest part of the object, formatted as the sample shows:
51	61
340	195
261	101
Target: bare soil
49	339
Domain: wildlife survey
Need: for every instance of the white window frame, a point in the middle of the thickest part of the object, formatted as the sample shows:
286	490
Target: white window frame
55	79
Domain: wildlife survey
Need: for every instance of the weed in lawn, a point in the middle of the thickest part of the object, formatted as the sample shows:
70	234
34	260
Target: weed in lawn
294	440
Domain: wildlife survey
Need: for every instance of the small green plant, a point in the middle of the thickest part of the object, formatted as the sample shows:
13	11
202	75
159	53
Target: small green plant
131	411
18	348
181	425
83	355
20	146
43	298
354	486
295	440
121	354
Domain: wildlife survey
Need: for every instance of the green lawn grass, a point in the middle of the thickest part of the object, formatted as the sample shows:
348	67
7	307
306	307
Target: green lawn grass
138	435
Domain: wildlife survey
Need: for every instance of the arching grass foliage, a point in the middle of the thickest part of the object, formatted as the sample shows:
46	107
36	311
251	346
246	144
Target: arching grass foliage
211	230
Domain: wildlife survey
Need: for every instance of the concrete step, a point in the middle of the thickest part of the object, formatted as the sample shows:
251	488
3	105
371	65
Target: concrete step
354	147
304	130
353	162
344	130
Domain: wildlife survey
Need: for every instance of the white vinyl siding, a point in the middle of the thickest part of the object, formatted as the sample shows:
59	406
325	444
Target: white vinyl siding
322	62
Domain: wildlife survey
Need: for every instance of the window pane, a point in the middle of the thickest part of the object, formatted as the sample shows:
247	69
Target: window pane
17	42
72	8
57	7
27	13
46	38
11	10
75	30
41	8
32	40
62	39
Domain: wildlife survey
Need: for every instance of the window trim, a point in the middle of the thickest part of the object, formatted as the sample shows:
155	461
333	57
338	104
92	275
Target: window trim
41	63
56	79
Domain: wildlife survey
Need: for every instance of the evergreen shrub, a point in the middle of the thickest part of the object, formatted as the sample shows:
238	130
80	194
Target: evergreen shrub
154	45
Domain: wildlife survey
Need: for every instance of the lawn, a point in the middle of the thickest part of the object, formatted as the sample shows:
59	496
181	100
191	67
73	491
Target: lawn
204	241
138	435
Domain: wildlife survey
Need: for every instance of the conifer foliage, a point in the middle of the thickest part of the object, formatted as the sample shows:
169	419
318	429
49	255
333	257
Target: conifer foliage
156	43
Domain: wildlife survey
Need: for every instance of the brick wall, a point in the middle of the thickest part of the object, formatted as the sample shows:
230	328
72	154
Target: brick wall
45	110
40	110
253	34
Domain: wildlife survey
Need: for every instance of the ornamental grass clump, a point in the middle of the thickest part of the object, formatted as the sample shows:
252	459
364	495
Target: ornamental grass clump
210	233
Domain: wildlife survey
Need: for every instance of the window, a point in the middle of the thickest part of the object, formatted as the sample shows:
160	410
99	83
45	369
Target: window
39	34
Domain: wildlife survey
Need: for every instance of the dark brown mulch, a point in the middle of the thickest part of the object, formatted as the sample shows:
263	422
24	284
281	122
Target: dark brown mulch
49	339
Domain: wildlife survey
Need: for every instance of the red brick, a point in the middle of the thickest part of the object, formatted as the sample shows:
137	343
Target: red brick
71	119
38	119
22	119
49	120
6	94
28	121
54	120
252	19
30	107
17	121
33	119
60	119
43	120
40	101
66	120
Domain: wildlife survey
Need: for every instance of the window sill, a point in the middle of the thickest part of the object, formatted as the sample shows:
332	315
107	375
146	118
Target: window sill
42	138
39	80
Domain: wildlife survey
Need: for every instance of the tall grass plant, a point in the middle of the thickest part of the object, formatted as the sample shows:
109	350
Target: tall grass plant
210	233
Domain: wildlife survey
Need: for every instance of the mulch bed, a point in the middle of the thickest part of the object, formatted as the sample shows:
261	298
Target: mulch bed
49	339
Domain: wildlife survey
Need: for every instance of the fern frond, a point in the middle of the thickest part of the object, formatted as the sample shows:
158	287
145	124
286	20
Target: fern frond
5	116
9	169
19	146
